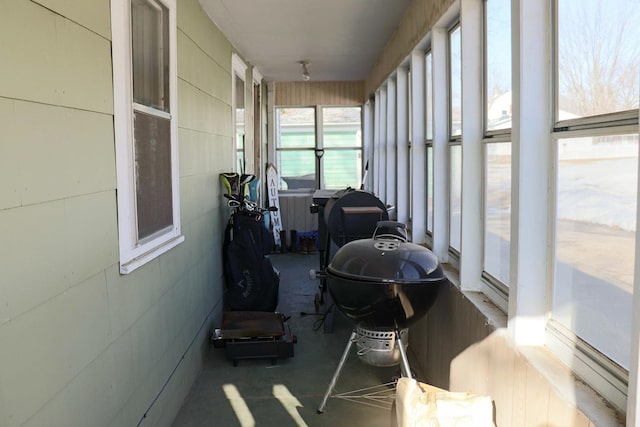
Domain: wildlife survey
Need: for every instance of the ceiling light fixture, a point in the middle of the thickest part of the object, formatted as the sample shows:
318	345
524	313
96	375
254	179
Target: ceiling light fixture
305	70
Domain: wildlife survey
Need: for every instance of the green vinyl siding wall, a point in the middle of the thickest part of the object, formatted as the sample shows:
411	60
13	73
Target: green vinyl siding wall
82	344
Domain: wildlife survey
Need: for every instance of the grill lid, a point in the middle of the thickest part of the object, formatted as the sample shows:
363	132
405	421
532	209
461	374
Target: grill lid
387	257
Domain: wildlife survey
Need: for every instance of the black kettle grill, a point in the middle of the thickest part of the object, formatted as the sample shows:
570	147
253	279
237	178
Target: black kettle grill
384	281
383	284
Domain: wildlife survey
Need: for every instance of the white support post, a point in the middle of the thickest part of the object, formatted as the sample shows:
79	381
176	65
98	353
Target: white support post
391	174
368	123
471	239
271	123
249	150
382	146
531	166
375	147
440	145
402	138
418	149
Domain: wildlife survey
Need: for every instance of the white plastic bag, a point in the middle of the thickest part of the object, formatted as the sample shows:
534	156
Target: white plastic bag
419	404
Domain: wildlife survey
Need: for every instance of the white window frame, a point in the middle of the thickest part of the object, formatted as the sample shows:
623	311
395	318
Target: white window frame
278	145
382	144
454	140
257	78
134	253
603	374
403	168
495	289
320	140
417	149
318	114
239	69
428	139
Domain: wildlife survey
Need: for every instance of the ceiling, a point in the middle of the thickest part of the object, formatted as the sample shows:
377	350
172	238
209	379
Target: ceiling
341	39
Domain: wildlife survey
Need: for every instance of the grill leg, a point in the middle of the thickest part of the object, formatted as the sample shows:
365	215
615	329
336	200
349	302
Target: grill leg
334	380
404	362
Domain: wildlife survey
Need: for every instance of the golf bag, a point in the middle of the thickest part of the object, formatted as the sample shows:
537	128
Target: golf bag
252	282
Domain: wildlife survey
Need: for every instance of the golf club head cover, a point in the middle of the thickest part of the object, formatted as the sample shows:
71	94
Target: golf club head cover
245	179
231	182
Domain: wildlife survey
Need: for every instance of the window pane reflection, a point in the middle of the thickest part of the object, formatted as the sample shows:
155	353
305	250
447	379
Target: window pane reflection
428	96
150	46
498	211
595	246
455	194
430	189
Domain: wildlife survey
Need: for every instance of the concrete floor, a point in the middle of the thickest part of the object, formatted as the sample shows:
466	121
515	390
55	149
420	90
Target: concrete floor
257	393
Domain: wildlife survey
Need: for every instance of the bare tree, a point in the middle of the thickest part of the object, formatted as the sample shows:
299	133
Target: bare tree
598	56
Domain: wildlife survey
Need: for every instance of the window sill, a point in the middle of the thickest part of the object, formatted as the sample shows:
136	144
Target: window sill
557	374
295	193
137	262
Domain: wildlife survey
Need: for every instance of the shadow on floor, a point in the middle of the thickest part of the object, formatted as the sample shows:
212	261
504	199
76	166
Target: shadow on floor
257	393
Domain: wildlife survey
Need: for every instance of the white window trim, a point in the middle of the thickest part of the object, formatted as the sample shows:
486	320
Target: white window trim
402	146
317	132
368	130
134	254
318	114
382	145
391	143
257	80
439	49
257	76
418	151
238	68
375	143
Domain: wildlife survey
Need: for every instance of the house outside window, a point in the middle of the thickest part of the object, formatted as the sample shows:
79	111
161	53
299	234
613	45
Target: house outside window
342	144
144	43
327	156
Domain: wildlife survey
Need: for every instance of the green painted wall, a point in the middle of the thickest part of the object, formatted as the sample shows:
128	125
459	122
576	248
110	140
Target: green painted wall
80	344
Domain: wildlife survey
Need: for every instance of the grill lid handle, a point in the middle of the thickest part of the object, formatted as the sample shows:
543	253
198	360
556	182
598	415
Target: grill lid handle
390	230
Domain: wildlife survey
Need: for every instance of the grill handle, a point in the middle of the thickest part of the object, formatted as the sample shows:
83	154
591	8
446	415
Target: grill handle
390	230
